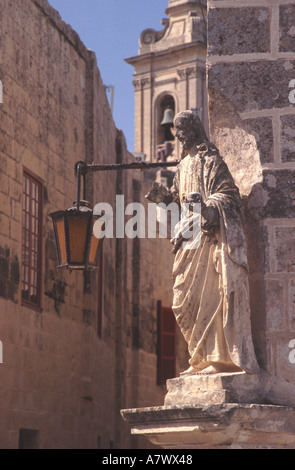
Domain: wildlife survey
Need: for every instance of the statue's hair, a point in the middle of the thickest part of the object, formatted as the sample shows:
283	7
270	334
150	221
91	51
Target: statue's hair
192	121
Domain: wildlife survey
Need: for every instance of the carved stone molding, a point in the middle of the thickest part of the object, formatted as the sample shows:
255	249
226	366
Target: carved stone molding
142	83
189	72
150	36
198	28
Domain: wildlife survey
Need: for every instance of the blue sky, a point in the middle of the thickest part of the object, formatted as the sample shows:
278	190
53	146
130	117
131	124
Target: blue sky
111	28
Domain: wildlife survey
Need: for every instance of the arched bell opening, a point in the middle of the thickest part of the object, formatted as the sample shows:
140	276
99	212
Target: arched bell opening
164	136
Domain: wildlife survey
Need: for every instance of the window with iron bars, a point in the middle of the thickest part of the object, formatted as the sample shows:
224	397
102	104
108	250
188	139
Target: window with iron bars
32	212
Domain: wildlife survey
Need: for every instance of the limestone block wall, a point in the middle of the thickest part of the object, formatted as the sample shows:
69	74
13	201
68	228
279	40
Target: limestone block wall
251	65
59	377
70	367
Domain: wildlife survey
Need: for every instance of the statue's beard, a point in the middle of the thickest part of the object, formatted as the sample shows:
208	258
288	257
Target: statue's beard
183	152
187	144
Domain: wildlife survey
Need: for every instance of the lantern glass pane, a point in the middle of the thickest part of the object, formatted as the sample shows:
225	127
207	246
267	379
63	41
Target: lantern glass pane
93	249
60	227
78	234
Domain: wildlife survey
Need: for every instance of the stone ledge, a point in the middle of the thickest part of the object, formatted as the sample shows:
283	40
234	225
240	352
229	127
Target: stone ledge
224	426
226	411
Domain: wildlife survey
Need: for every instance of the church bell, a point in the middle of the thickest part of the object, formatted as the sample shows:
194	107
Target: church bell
168	117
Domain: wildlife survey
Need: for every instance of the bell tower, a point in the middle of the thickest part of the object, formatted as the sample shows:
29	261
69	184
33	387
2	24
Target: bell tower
170	76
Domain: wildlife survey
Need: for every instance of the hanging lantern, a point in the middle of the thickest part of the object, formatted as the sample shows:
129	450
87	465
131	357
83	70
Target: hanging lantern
78	242
76	245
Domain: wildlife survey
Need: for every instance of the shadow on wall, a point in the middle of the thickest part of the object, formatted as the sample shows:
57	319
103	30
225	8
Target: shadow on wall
9	274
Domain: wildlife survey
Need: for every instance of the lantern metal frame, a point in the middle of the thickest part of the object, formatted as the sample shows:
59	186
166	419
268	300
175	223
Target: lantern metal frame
68	219
82	211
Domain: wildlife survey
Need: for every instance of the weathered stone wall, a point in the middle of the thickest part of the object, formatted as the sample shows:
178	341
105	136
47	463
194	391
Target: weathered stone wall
58	375
53	361
251	61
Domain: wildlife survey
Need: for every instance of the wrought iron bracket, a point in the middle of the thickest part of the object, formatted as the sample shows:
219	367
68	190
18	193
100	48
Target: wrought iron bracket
82	168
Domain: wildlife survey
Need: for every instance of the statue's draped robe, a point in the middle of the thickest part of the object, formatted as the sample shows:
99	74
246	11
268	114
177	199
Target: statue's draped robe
211	292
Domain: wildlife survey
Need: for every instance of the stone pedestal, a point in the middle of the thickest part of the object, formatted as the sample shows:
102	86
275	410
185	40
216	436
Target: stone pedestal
223	411
215	389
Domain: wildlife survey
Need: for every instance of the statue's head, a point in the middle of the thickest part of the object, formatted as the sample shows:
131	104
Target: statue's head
189	130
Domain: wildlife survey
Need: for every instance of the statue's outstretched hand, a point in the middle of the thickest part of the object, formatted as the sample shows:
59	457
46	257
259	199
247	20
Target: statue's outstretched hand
158	193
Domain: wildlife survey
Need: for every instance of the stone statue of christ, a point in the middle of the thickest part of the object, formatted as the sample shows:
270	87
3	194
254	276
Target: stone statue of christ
211	291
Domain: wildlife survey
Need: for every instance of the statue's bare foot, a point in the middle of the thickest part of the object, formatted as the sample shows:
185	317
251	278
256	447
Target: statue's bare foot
189	371
208	371
218	368
194	370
